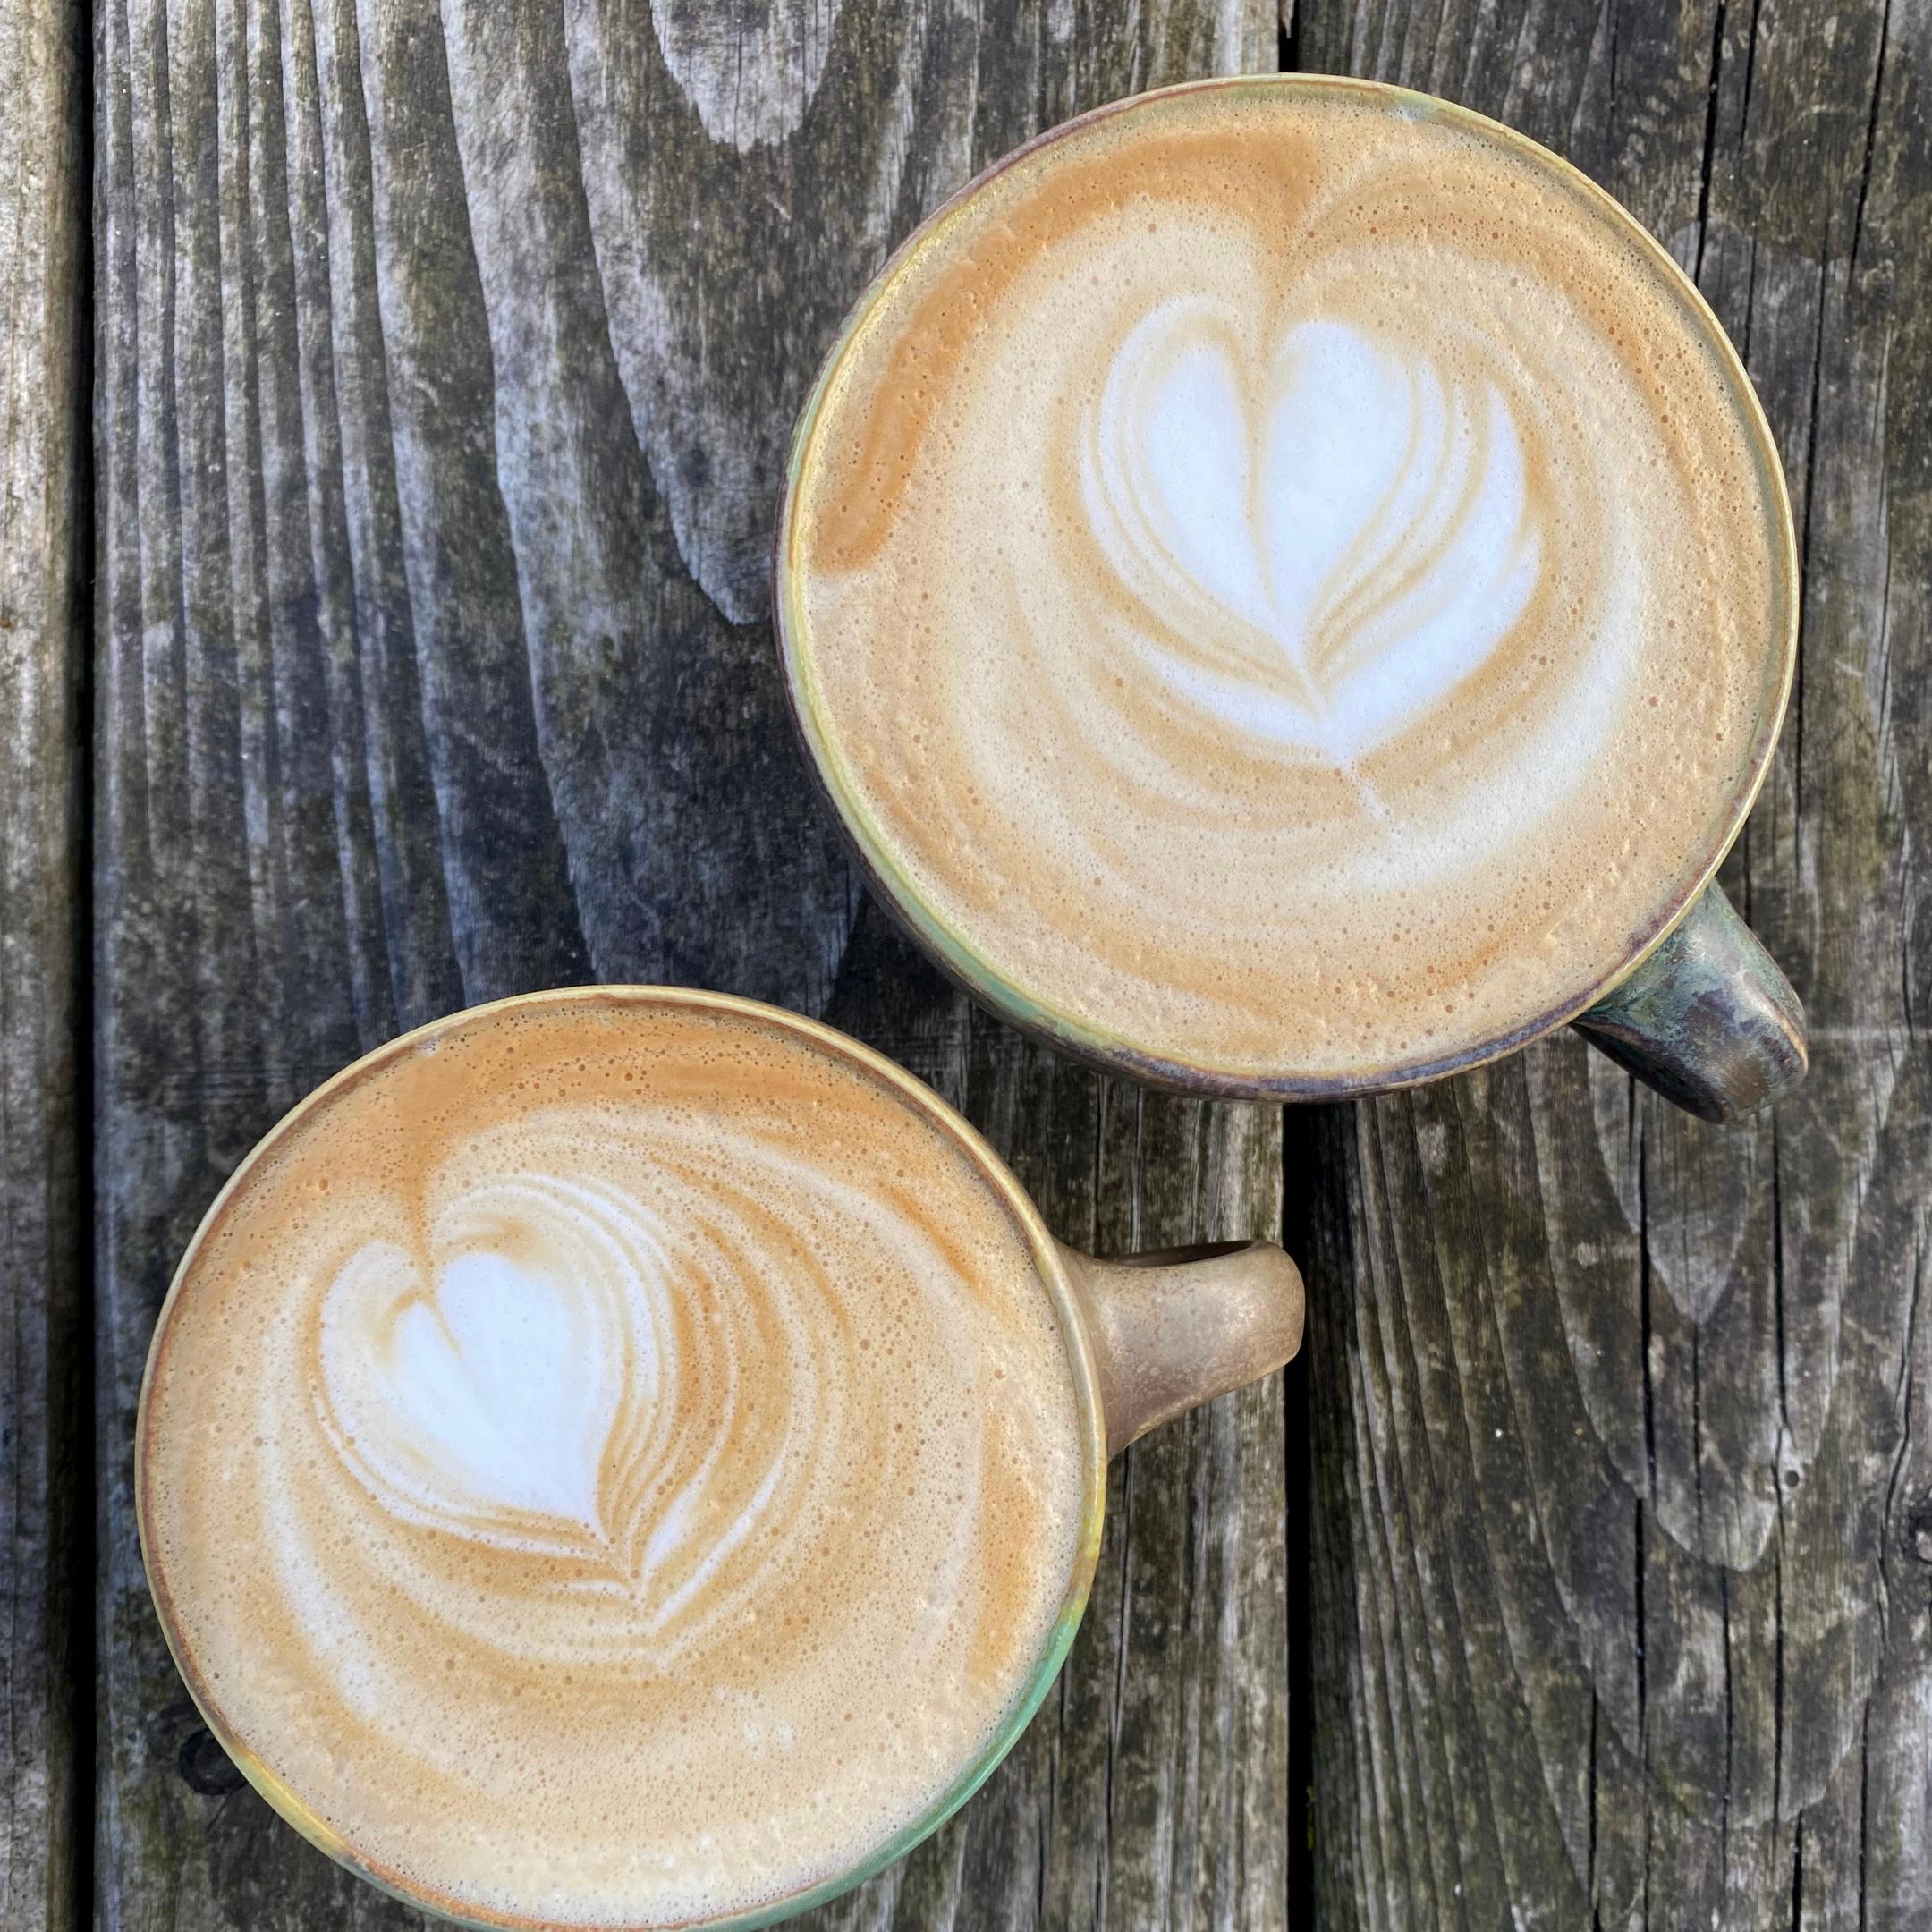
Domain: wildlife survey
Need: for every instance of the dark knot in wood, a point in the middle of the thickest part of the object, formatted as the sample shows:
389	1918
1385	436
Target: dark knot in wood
1919	1528
206	1767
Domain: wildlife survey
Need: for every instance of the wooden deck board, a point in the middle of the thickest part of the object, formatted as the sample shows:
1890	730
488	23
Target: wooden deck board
44	1505
1621	1592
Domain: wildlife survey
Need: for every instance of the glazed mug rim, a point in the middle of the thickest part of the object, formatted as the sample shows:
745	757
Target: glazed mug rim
1050	1263
1086	1041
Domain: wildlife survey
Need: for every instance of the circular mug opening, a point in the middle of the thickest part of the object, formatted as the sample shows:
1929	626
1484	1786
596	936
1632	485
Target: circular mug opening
174	1421
911	830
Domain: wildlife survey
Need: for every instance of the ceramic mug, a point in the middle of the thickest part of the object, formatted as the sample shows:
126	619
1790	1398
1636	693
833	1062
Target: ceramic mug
1695	1006
1145	1338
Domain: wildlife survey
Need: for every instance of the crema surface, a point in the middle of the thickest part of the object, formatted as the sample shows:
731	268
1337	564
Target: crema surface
1287	583
613	1463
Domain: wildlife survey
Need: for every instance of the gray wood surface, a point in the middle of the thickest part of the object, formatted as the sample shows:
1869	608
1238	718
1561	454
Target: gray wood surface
1622	1485
44	1505
445	357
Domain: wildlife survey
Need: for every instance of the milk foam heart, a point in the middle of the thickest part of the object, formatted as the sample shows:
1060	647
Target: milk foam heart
1344	540
1285	586
614	1464
490	1400
536	1398
485	1405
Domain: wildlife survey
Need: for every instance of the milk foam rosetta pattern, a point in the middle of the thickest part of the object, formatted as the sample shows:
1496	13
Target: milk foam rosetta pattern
652	1500
1285	584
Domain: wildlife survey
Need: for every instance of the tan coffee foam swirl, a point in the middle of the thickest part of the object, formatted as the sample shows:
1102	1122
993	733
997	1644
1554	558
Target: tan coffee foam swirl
1288	586
617	1467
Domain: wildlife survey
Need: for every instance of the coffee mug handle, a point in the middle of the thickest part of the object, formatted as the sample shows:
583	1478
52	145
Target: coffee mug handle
1172	1329
1708	1019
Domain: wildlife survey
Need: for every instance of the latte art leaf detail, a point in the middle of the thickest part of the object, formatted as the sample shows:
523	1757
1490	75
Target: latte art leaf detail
1325	553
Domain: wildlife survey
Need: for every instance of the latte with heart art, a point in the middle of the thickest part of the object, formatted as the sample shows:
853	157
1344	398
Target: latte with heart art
612	1462
1284	587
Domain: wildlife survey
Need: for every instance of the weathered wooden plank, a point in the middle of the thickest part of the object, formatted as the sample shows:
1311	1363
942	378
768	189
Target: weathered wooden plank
43	1507
446	359
1621	1603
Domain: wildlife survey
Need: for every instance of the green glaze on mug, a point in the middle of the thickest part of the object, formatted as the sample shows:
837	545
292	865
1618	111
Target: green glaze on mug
1682	1060
1143	1340
1706	1017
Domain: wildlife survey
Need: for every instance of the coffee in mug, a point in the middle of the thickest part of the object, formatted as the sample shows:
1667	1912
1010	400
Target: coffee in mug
1287	586
634	1458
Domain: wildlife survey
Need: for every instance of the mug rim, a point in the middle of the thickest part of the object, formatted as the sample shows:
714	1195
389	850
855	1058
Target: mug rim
1050	1265
1094	1045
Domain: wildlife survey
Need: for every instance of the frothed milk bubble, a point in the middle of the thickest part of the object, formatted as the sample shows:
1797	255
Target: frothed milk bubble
1283	581
613	1463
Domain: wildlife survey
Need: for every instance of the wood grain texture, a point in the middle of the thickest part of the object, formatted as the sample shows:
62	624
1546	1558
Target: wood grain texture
43	1507
445	357
1622	1610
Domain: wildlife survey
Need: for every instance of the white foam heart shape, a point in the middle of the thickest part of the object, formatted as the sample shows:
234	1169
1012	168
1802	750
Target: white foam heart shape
488	1400
1328	544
